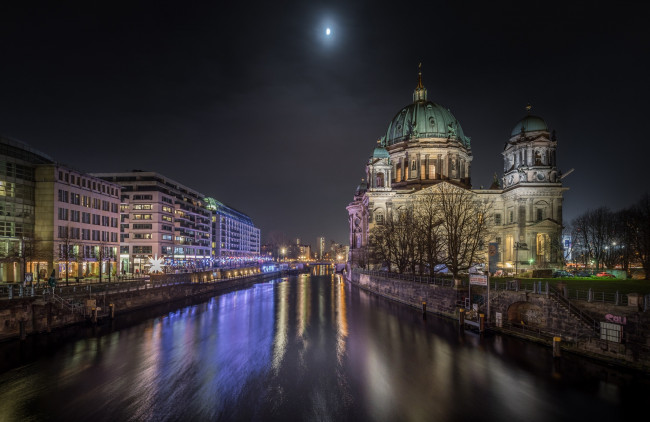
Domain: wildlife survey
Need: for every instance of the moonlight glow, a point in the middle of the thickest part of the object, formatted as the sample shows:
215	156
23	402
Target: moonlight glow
328	31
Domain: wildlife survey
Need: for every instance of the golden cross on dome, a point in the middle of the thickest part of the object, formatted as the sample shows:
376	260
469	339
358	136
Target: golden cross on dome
528	107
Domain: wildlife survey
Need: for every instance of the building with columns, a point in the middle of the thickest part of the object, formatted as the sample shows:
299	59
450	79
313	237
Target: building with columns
425	146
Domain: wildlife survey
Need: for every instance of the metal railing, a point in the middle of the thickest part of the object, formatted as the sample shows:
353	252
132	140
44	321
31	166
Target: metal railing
577	312
439	281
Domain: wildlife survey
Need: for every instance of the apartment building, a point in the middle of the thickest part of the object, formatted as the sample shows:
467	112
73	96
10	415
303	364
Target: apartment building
161	218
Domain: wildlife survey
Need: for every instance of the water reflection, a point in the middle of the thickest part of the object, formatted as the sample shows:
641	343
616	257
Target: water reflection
310	348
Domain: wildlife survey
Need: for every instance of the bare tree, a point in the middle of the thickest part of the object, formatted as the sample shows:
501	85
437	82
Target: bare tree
464	225
641	235
594	231
379	243
429	229
67	251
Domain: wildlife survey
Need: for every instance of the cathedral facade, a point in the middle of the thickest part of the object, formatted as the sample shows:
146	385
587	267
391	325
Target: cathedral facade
425	146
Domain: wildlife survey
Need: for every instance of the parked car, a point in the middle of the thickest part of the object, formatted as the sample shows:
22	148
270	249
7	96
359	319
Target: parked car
605	274
583	274
562	273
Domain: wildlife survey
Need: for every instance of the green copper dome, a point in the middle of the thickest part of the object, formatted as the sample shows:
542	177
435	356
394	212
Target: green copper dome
380	152
424	119
529	123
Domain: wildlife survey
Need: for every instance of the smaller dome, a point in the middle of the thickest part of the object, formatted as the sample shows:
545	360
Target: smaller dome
529	123
380	152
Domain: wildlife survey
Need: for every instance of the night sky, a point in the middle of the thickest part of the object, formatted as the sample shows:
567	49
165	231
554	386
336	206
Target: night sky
251	103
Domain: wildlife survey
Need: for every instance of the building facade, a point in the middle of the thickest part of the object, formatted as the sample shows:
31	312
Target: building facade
77	223
53	219
161	218
425	146
235	239
18	162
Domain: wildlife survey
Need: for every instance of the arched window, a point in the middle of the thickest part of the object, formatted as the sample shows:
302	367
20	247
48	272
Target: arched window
380	180
538	158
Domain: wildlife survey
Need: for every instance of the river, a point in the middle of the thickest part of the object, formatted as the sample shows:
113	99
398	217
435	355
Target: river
303	348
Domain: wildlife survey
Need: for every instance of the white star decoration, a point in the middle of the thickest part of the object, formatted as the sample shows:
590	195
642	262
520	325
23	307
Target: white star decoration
156	264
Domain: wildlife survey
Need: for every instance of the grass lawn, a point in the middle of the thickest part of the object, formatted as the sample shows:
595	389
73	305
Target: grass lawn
596	285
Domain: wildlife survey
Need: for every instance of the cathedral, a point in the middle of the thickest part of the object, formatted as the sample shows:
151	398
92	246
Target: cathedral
425	146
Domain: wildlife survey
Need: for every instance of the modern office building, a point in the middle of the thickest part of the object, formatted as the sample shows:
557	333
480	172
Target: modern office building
53	218
18	162
77	223
161	218
234	236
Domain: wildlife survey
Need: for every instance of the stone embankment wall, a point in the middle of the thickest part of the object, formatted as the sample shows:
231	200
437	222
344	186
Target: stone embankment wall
439	300
535	316
33	314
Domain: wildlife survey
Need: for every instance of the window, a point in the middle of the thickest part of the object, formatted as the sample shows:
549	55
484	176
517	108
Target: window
106	221
61	175
511	217
142	249
167	218
95	234
85	217
142	216
106	206
85	201
142	197
540	214
497	219
165	199
167	209
124	249
142	227
114	207
63	214
74	215
63	196
75	199
85	234
142	206
379	218
96	219
113	222
63	232
142	235
167	228
498	240
113	237
166	237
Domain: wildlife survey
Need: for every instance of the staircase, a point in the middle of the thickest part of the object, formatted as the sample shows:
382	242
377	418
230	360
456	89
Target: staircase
65	303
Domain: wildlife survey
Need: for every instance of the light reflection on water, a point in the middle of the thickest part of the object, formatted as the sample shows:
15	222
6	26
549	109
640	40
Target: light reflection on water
309	348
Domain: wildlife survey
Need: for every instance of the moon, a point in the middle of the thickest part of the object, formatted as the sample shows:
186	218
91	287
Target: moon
328	31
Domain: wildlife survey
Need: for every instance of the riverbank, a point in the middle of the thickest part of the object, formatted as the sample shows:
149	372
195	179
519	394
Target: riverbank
20	317
533	316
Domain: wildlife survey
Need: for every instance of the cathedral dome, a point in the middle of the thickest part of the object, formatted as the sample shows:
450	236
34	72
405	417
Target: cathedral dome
380	152
529	123
424	119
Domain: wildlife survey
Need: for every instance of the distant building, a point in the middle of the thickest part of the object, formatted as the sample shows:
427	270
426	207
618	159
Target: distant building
425	147
161	217
321	247
234	236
